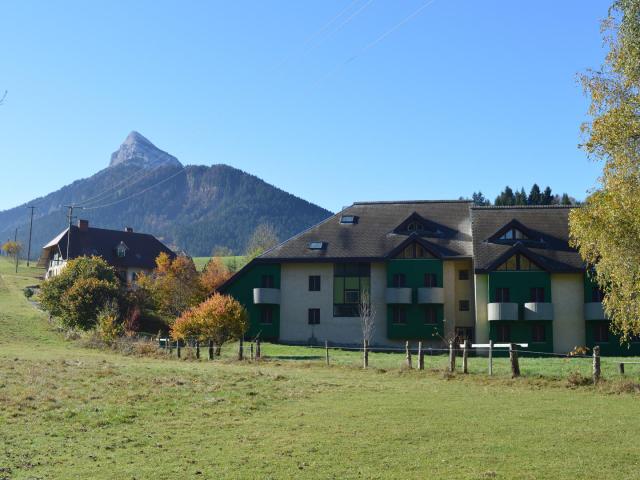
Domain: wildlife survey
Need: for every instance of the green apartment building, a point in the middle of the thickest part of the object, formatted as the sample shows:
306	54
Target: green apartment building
433	270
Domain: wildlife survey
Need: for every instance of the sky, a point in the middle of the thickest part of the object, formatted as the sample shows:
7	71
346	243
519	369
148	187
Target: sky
335	101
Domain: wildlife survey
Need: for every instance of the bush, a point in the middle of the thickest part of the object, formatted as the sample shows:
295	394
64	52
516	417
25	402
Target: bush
28	292
108	325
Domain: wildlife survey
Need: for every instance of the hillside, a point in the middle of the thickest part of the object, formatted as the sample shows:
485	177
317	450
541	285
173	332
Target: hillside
191	208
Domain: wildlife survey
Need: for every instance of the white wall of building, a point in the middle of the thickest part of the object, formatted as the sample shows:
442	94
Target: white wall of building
567	295
481	283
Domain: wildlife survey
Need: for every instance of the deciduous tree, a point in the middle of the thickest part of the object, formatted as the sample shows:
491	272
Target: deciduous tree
264	237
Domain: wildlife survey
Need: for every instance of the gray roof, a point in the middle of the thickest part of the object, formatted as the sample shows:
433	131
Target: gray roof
373	237
546	226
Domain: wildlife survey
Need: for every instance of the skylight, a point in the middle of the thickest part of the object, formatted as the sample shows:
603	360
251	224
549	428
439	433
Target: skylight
349	219
317	245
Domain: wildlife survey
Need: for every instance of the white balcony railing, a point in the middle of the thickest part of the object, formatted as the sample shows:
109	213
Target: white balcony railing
538	311
266	296
398	295
430	295
502	311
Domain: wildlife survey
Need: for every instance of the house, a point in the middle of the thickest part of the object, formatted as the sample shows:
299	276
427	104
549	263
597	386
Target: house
434	270
130	253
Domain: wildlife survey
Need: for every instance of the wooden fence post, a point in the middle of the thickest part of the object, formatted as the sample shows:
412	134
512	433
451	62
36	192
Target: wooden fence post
178	348
210	349
198	349
326	352
621	368
452	357
596	364
365	354
258	352
408	354
170	346
490	357
251	350
240	348
420	357
465	357
513	357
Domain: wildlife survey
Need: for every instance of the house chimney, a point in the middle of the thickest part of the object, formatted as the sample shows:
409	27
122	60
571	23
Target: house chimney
83	225
128	229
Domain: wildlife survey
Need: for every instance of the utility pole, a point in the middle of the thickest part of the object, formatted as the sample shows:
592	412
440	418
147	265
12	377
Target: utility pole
70	218
15	240
30	229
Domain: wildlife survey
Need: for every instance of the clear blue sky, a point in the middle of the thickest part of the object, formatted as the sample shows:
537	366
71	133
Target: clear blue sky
466	95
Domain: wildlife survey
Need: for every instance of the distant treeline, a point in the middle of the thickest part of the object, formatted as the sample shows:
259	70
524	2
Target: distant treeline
519	197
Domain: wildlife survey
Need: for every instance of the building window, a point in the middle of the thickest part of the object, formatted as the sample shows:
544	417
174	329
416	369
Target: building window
513	234
463	305
267	281
317	245
517	263
601	332
314	283
463	274
314	316
537	294
399	280
597	295
503	333
414	227
121	250
538	333
430	315
502	295
430	280
399	315
266	315
348	219
464	333
414	250
349	280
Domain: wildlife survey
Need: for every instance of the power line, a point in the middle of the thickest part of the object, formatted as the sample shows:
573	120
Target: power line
70	217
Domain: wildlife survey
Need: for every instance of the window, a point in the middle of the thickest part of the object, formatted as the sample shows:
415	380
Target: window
414	250
463	274
503	333
314	316
317	245
266	315
399	315
430	315
537	294
267	281
121	250
513	234
538	333
518	262
349	280
348	219
414	227
430	280
464	333
601	332
399	280
463	305
502	295
596	294
314	283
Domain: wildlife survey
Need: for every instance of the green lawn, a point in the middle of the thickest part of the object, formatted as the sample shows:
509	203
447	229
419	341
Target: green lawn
71	412
234	262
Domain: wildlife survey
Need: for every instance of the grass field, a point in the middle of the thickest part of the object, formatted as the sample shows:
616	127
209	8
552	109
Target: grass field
72	412
235	262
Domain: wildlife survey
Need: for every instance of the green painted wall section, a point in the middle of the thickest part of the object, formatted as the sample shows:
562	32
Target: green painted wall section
242	290
519	285
589	285
522	332
414	328
613	346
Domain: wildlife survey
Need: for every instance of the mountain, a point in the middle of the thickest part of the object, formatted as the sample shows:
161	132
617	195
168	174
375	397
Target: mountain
192	208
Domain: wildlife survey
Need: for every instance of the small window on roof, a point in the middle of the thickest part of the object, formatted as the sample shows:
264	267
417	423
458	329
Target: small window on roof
121	250
513	234
349	219
415	227
317	245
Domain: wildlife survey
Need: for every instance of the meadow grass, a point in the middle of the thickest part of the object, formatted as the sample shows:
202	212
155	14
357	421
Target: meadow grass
233	262
73	412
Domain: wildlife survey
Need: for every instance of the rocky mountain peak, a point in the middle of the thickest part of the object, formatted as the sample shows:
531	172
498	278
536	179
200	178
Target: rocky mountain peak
139	150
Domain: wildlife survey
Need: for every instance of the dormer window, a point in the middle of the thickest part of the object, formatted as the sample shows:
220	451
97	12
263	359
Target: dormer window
317	245
415	227
121	250
518	262
513	234
349	219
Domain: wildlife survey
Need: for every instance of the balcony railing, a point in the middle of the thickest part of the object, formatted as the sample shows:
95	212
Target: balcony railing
398	295
538	311
266	296
502	311
594	311
430	295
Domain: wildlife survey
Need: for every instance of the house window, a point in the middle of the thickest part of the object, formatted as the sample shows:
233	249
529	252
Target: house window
537	294
538	333
463	305
399	280
349	280
464	333
267	281
502	295
503	333
314	283
348	219
317	245
597	295
430	280
463	274
430	315
414	227
399	315
121	250
601	332
314	316
266	315
518	262
513	234
414	250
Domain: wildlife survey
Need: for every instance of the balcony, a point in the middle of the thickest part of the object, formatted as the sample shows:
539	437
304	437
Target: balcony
398	295
431	295
594	311
269	296
538	311
502	311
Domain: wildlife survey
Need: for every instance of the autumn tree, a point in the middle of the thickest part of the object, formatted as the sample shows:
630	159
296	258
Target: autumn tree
606	229
12	248
263	238
215	273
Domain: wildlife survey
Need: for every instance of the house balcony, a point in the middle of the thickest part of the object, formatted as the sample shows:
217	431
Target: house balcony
401	295
502	311
430	295
594	311
538	311
268	296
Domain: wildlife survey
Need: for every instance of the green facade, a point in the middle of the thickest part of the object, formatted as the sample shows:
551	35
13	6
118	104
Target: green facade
520	284
415	328
242	290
